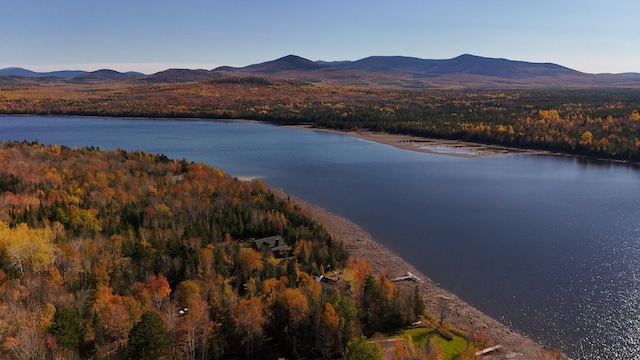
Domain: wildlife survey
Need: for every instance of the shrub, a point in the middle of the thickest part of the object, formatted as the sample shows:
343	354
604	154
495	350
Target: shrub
444	333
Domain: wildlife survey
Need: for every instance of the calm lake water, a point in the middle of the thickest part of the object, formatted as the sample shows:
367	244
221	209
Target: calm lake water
548	245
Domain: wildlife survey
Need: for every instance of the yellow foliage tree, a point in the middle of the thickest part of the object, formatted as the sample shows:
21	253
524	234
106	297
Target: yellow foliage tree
28	249
329	316
296	304
250	260
84	220
586	138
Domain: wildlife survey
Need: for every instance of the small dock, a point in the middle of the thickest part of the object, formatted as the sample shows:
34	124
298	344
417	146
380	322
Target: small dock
488	350
409	276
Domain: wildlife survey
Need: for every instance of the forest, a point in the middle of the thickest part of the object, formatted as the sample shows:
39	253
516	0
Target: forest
130	255
599	123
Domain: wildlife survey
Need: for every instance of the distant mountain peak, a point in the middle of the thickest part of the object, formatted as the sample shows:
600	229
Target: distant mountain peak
467	56
292	57
286	63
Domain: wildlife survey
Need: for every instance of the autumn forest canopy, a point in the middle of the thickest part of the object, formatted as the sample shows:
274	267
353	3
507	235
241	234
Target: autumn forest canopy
603	123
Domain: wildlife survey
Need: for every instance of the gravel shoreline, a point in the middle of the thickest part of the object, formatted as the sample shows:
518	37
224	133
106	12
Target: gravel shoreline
461	314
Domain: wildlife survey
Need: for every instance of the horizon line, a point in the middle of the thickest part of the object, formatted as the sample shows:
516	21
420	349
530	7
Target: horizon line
149	68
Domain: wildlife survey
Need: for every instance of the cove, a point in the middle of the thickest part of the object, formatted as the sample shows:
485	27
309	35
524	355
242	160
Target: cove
548	245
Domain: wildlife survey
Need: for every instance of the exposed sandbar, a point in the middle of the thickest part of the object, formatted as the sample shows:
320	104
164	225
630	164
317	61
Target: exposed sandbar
430	145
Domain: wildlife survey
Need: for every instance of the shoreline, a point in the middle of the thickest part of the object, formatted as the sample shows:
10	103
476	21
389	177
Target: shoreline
382	260
456	148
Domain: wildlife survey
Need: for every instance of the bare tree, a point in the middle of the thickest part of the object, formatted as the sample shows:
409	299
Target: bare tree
443	305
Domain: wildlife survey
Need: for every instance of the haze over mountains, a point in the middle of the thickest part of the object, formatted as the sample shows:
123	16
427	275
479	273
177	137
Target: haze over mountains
464	71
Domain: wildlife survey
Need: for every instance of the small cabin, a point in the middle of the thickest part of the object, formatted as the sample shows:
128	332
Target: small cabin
327	280
275	243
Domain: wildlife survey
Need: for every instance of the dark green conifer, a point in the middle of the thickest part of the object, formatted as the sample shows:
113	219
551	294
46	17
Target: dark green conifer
149	338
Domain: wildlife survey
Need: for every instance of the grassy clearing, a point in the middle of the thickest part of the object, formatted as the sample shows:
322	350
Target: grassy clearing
450	348
347	275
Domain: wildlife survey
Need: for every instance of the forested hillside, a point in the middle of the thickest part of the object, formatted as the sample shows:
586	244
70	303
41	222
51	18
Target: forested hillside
121	254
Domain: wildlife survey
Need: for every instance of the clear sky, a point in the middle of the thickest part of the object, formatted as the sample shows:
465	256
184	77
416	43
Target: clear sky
587	35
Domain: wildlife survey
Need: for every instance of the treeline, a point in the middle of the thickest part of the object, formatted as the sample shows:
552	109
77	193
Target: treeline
604	124
599	123
130	255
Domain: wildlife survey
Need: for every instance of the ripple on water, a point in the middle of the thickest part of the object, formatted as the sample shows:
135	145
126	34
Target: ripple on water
608	310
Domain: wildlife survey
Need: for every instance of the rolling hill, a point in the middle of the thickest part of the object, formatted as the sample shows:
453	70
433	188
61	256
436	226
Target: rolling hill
104	75
171	76
20	72
464	71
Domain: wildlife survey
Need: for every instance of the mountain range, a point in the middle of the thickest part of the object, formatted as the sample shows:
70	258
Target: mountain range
464	71
20	72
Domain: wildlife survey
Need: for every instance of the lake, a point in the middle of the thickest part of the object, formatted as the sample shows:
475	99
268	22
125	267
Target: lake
549	245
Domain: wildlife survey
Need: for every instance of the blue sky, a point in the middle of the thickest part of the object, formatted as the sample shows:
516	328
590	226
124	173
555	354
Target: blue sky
149	36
